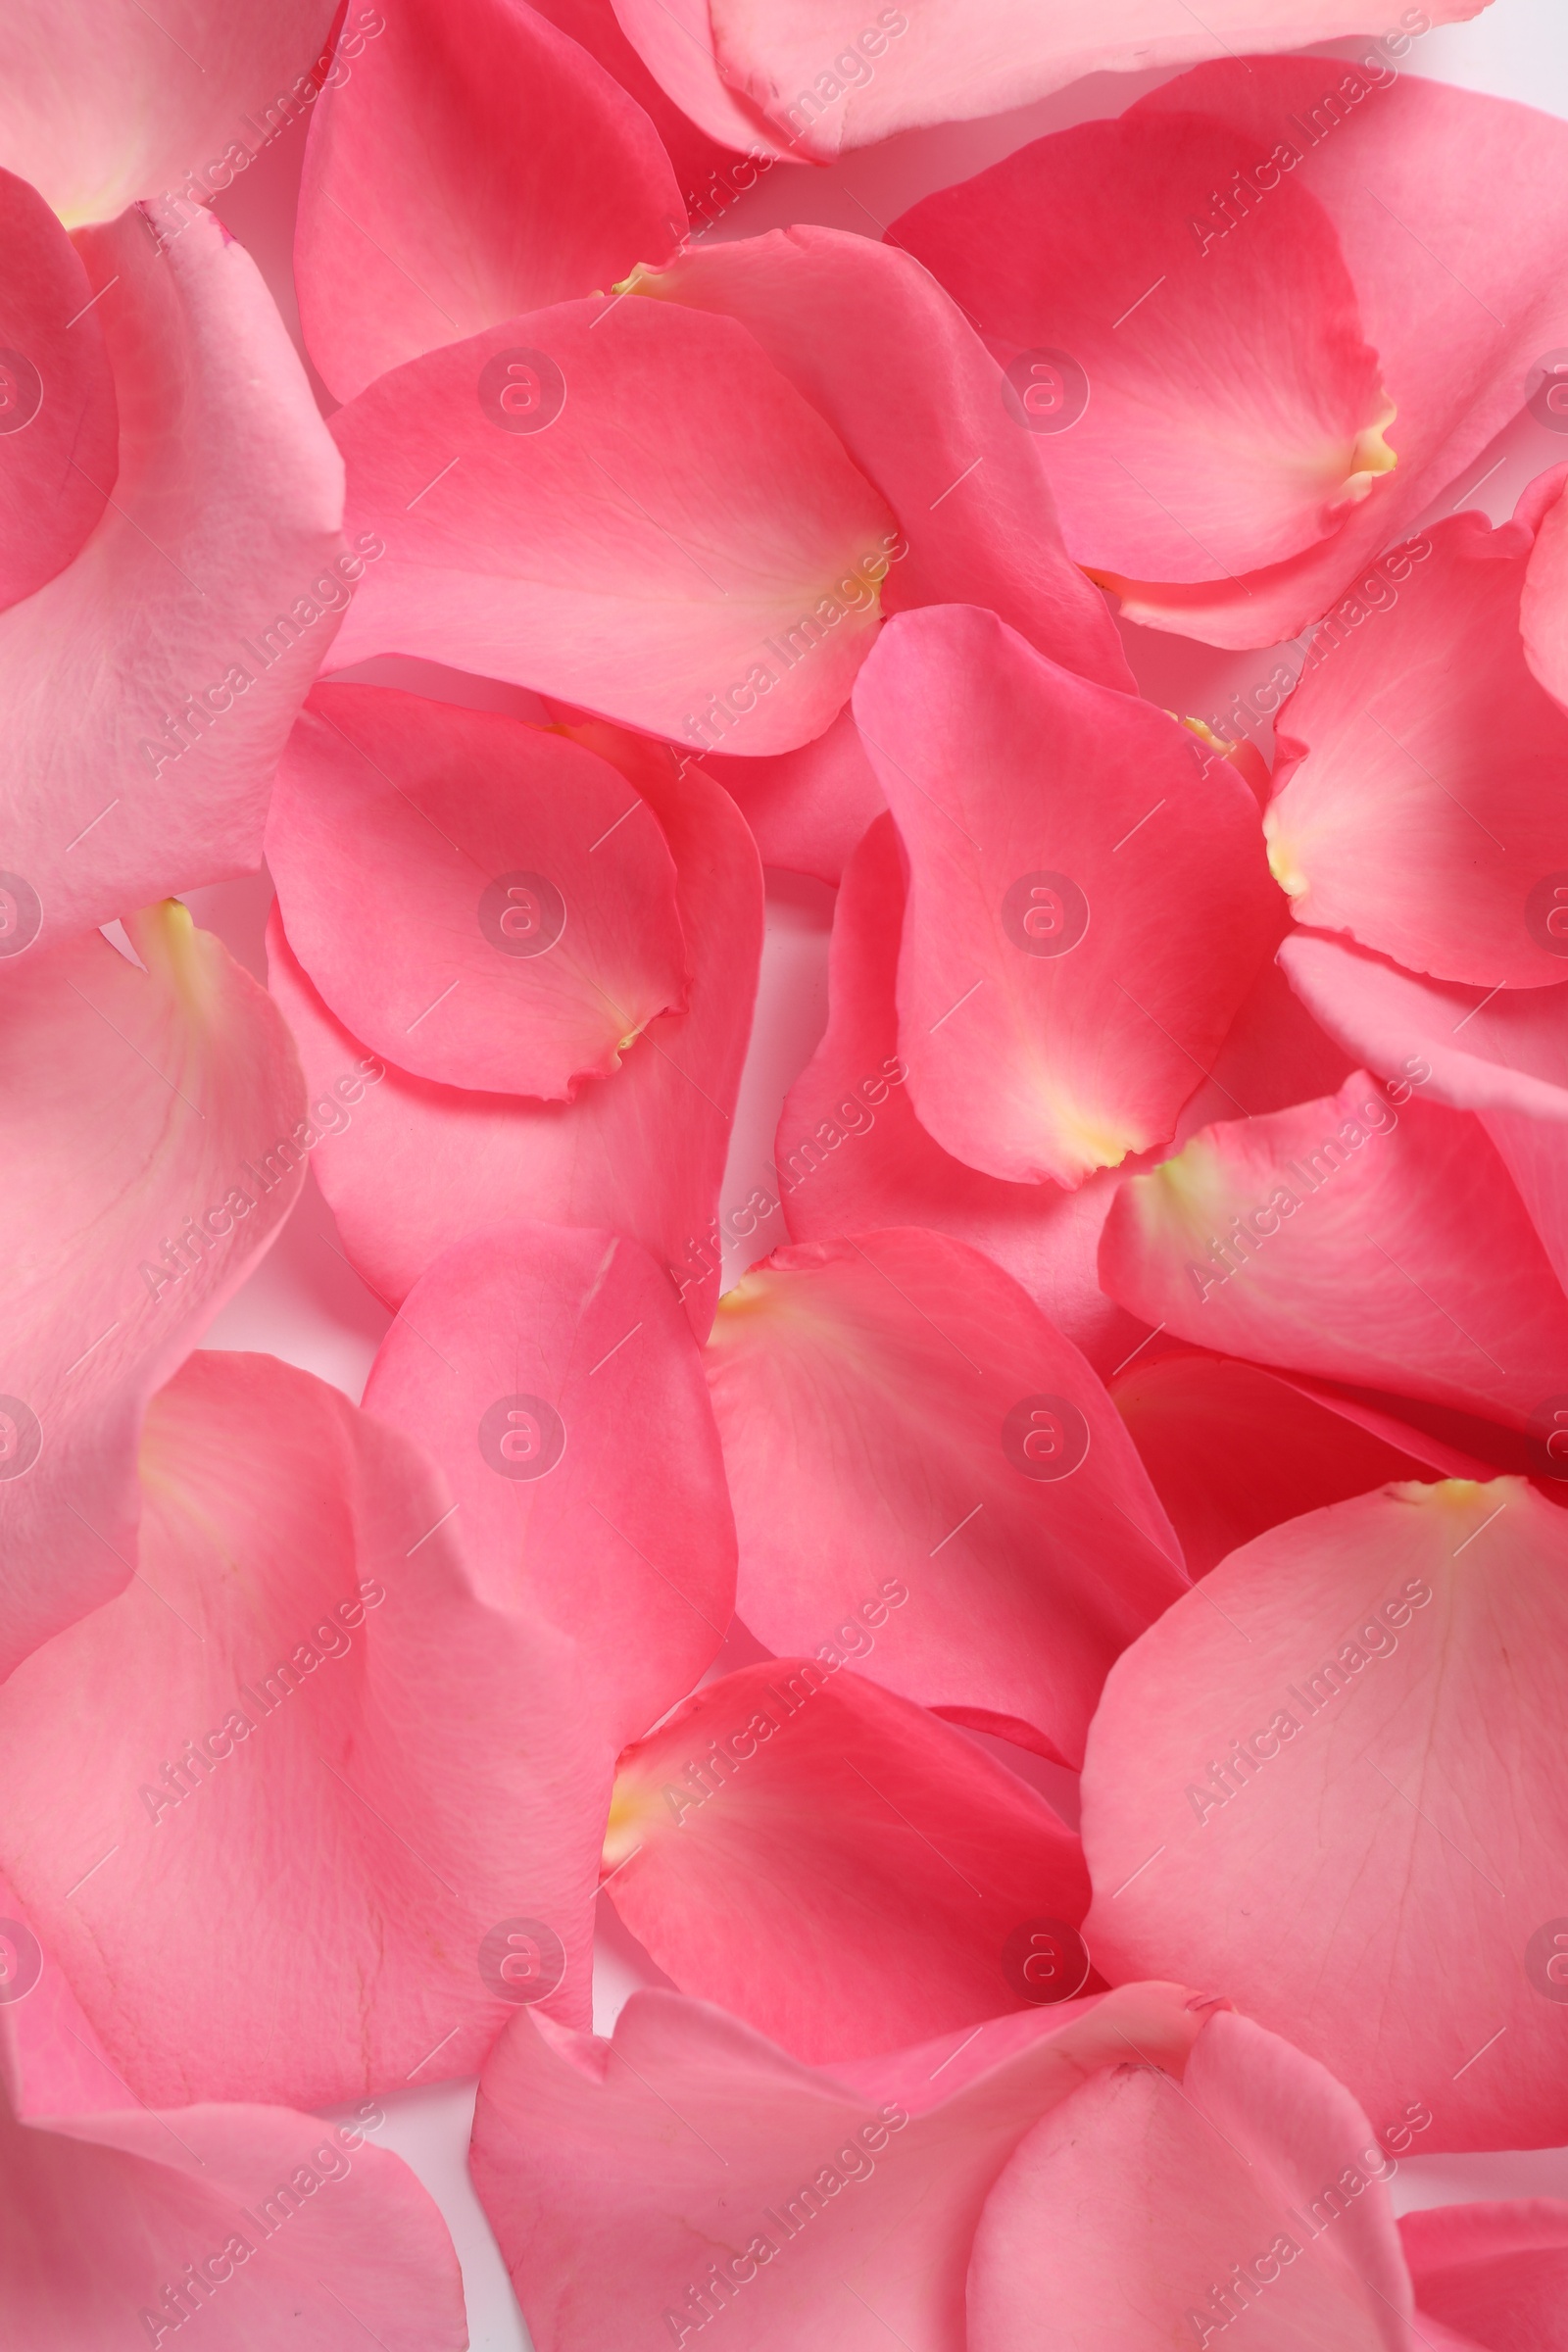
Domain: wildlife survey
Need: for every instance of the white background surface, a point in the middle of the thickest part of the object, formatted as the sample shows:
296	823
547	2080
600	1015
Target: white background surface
306	1304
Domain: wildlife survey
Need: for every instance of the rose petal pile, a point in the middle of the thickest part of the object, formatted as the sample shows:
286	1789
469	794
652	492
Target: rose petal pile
1055	1670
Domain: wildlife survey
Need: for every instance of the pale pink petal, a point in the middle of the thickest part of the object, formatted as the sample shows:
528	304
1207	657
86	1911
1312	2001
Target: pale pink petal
150	1111
58	418
538	179
1412	803
51	2061
1335	1757
674	39
973	493
1141	2214
1052	1012
418	1165
1544	606
1497	2274
807	808
257	2225
1251	1239
553	1377
482	901
112	102
624	506
931	1483
280	1806
183	636
620	2176
1209	408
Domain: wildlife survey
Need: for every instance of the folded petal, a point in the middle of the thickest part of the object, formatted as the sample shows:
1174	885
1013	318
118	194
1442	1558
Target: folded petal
56	398
973	493
674	39
1414	806
482	901
705	167
1497	2274
300	1729
912	1448
1544	606
1253	1238
539	179
553	1377
114	103
1212	403
807	808
1052	1015
421	1166
188	2222
690	2163
628	507
1300	1791
1139	2214
183	636
137	1099
852	1156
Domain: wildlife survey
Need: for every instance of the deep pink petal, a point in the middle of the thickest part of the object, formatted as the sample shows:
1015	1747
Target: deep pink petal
553	1377
1544	606
973	494
807	808
140	1105
1053	1014
300	1702
912	1449
538	179
1209	408
1495	2273
621	2174
418	1165
1250	1240
624	505
1138	2215
1336	1755
708	171
183	636
674	39
484	902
